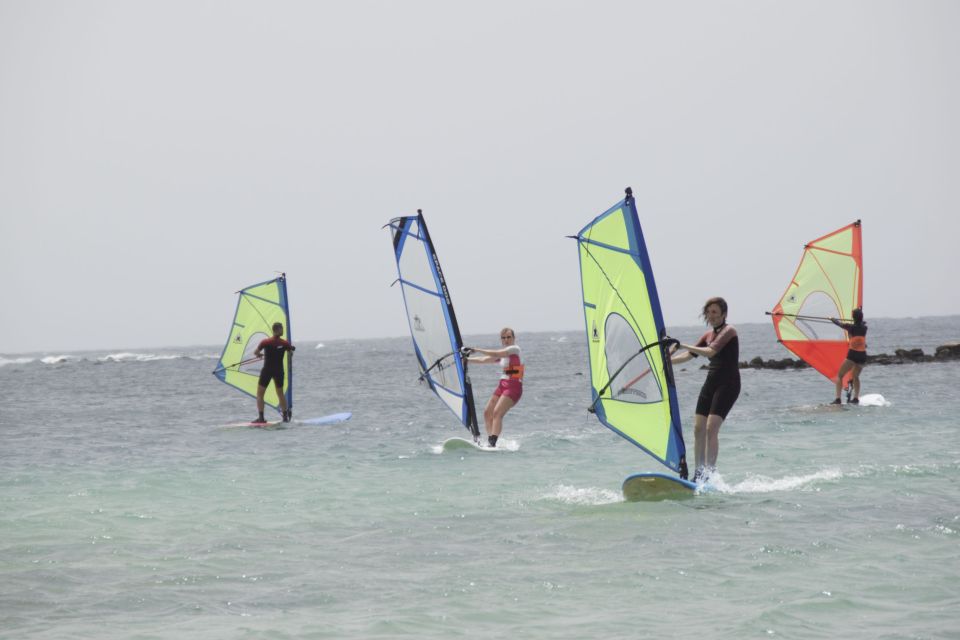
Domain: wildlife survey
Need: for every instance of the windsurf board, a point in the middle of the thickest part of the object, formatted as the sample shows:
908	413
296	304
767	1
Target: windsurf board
254	425
642	487
333	418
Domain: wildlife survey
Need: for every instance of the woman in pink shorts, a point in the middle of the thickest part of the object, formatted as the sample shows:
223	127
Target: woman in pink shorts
509	389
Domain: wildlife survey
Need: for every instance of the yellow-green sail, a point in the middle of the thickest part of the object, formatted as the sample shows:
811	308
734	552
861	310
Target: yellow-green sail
630	372
258	307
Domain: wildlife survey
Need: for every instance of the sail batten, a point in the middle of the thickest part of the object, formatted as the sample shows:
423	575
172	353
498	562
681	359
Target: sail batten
259	306
828	283
431	319
632	384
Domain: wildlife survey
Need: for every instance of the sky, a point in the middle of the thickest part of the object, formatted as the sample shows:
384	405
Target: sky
158	156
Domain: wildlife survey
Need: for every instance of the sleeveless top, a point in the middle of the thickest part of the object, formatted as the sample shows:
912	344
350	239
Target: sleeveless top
725	363
512	367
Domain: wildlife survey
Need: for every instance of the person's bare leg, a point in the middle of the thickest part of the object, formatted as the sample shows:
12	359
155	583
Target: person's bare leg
699	440
260	392
838	383
714	422
503	405
488	414
281	400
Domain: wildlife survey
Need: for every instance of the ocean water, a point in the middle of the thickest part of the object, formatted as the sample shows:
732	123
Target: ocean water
127	510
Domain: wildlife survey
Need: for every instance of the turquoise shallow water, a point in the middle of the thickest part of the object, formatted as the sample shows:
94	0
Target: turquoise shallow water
128	511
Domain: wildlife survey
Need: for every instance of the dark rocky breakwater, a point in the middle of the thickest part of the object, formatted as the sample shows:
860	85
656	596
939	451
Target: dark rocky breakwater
943	353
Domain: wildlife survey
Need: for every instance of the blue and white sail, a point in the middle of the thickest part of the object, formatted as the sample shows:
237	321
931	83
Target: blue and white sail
433	324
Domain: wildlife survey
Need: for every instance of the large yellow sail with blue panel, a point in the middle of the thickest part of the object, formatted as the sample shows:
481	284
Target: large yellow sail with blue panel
259	306
630	372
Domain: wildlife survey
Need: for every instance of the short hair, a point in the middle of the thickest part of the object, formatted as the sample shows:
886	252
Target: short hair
858	315
278	325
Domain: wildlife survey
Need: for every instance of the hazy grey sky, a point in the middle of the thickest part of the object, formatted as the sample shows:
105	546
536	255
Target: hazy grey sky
155	157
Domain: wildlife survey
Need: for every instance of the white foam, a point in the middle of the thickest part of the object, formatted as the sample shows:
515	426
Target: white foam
137	357
57	359
764	484
5	361
319	345
583	496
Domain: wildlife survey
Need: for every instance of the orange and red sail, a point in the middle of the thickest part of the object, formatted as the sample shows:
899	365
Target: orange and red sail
827	284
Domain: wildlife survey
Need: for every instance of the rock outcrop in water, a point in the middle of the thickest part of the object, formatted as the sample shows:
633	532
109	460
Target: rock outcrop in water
943	353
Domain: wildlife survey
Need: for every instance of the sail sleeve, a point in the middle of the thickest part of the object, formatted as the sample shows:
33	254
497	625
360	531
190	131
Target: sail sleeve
431	318
630	372
828	283
259	306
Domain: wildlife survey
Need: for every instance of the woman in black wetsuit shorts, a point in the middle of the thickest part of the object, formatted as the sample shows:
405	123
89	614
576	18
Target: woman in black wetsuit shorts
856	354
722	387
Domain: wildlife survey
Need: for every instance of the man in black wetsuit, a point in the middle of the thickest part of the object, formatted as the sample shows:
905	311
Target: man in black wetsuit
273	351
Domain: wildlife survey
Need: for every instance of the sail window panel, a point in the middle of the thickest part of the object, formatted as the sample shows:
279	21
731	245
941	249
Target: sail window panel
252	340
633	382
428	325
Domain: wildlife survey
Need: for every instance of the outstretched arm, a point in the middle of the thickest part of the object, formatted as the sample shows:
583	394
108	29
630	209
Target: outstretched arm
496	353
488	356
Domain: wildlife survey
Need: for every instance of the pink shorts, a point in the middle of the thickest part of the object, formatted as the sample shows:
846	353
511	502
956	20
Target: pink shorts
513	389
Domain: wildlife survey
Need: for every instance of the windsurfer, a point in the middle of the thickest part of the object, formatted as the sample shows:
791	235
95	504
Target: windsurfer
272	350
510	388
856	354
721	388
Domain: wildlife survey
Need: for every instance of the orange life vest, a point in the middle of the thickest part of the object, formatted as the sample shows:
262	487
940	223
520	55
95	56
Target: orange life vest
514	369
858	343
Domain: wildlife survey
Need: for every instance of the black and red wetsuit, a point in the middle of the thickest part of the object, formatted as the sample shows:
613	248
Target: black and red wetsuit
273	350
722	386
857	337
